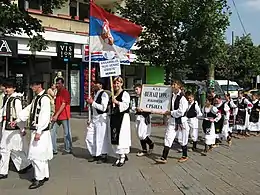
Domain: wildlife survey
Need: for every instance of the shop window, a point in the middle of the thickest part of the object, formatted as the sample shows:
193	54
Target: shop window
83	11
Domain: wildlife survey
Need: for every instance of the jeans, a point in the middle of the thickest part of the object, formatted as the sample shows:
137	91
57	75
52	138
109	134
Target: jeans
67	135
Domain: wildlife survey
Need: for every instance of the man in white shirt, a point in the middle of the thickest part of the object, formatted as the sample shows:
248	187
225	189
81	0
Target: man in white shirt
97	135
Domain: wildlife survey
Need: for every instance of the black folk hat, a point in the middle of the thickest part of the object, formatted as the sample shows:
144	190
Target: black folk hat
9	83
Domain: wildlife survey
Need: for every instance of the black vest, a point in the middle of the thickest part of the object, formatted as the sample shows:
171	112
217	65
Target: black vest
241	105
254	115
10	104
116	120
192	111
222	109
115	110
176	107
35	111
99	101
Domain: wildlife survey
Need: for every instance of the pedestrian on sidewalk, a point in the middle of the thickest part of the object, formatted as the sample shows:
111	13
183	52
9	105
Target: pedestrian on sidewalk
40	148
62	117
192	114
232	118
221	126
242	119
13	142
120	122
143	124
177	124
254	119
97	135
210	115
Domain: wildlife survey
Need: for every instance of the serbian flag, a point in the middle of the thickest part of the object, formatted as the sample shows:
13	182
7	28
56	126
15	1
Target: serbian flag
111	33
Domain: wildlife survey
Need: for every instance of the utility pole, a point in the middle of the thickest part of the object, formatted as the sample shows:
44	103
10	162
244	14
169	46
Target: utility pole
232	65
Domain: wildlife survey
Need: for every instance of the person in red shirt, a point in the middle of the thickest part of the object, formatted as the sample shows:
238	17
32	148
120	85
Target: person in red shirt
62	117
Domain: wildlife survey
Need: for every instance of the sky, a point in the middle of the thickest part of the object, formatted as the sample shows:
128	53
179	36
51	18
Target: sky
249	11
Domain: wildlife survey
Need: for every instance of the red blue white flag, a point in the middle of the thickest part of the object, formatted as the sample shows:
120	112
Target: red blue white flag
111	33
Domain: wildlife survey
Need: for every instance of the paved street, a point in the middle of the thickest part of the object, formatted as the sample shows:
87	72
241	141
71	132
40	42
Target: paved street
226	170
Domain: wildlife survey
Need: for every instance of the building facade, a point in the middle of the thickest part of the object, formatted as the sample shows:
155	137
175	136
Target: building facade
66	26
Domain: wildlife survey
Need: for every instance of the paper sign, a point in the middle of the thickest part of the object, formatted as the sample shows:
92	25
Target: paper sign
110	68
156	98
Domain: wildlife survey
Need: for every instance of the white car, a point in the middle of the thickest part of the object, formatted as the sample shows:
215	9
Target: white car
232	88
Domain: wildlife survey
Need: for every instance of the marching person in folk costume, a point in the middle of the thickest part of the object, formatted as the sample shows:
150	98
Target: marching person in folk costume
120	122
254	121
40	149
97	137
177	124
210	116
232	117
221	126
242	118
192	114
13	142
143	123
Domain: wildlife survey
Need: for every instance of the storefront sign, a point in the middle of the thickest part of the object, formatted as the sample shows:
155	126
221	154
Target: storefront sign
156	98
8	47
65	51
110	68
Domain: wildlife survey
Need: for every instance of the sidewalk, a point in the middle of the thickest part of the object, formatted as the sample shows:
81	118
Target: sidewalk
225	170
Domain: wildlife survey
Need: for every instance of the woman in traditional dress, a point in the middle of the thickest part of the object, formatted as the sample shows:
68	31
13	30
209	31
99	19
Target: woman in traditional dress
210	116
120	122
254	119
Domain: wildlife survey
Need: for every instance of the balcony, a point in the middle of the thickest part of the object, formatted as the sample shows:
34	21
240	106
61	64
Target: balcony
107	2
61	22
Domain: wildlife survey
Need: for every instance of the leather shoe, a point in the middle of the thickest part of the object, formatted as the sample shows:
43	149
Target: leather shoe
23	171
36	184
3	176
45	179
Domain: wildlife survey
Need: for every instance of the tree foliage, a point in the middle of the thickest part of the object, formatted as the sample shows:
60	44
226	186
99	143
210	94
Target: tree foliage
185	36
241	61
18	21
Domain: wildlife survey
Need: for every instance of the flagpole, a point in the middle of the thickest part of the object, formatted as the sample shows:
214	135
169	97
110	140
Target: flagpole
89	67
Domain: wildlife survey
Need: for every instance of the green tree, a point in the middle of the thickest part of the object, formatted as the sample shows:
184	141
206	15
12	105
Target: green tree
17	21
242	61
184	36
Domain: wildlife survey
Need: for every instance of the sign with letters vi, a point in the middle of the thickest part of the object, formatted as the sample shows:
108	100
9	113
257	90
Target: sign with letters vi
156	98
110	68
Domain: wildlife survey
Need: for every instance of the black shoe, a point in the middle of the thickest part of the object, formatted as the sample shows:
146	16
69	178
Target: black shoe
55	153
126	158
23	171
36	184
116	162
93	159
45	179
3	176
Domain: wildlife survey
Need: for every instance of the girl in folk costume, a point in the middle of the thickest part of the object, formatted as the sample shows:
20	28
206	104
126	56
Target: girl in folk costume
192	113
143	124
97	137
210	116
221	126
120	122
254	121
242	118
232	117
177	124
13	142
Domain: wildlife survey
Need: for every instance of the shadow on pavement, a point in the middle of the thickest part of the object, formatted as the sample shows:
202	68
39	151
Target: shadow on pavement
61	140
